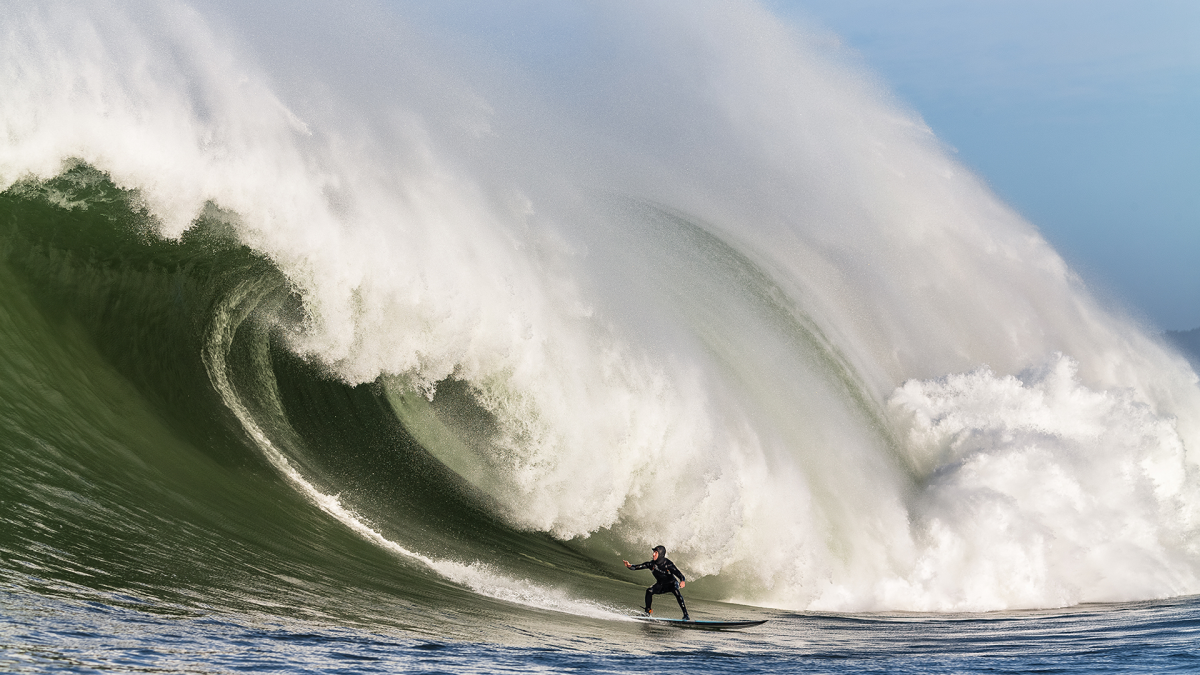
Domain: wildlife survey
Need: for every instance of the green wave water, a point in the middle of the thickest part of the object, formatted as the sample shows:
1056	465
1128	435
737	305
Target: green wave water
127	476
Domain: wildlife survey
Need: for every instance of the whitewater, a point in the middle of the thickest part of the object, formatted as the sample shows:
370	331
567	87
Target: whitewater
617	275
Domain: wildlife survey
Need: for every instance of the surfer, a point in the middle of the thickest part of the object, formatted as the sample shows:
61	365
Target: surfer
665	573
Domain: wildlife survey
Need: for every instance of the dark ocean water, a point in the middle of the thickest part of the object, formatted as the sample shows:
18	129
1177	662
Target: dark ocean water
42	633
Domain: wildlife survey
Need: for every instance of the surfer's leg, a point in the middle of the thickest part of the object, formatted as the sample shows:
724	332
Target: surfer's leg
649	598
679	597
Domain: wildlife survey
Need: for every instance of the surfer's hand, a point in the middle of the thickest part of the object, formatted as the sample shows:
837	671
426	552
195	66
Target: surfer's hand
627	563
682	584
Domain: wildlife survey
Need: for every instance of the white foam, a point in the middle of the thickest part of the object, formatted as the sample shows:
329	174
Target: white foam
801	434
1039	490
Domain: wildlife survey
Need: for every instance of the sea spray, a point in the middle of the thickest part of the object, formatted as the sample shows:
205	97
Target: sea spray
717	291
1039	489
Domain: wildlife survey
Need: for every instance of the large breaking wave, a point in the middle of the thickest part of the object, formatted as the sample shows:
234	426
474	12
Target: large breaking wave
694	280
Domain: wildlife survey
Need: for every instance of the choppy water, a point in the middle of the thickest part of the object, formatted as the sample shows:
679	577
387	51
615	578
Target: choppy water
115	635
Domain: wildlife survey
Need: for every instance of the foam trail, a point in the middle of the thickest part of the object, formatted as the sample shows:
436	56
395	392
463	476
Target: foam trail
710	286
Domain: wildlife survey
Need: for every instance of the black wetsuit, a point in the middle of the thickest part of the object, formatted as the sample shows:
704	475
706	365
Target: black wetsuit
665	572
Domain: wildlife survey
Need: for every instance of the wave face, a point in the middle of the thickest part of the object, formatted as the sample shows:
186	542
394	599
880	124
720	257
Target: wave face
409	292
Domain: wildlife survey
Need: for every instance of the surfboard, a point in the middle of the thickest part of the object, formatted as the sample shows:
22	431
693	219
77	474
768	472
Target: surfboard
702	625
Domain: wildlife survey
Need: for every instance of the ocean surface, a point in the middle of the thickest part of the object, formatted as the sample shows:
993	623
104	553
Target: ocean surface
373	339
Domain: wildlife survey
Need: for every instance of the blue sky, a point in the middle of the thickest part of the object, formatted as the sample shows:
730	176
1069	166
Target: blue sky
1082	114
